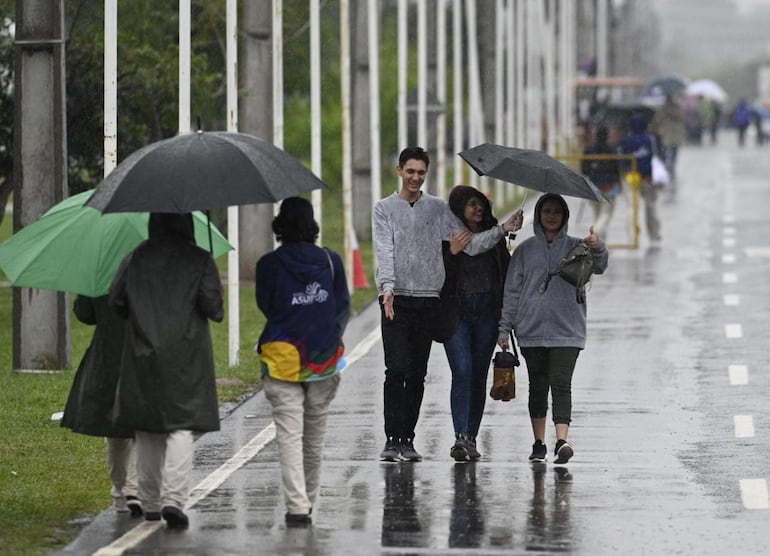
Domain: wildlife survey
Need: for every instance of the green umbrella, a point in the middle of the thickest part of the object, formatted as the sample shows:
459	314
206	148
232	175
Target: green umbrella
75	248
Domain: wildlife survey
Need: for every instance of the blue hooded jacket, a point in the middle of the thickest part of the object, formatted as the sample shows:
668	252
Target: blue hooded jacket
303	293
639	144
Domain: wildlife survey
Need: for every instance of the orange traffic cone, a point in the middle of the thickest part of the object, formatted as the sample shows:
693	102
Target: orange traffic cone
359	274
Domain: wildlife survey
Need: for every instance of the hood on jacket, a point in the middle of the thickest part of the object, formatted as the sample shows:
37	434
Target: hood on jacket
173	225
459	197
306	261
538	228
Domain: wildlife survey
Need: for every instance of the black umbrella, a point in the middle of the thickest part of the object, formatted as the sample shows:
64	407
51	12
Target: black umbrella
532	169
201	171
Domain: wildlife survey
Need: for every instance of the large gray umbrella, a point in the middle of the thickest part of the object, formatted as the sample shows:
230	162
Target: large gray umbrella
532	169
201	171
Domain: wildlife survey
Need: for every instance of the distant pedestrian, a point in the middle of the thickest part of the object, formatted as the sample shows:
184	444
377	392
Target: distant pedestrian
303	293
605	174
92	397
638	143
742	120
408	228
168	288
669	124
478	292
548	320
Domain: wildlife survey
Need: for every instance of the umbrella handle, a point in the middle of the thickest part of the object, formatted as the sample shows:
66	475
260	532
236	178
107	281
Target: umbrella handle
208	226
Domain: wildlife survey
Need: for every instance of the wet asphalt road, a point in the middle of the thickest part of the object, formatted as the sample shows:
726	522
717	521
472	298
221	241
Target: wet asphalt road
669	431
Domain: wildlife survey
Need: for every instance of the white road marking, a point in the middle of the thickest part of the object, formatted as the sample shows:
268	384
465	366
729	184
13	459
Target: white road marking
728	242
731	299
758	251
754	494
729	278
729	231
728	258
136	535
739	374
728	219
733	331
744	426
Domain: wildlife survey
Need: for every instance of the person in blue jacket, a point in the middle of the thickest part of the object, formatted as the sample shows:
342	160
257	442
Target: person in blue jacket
638	143
302	291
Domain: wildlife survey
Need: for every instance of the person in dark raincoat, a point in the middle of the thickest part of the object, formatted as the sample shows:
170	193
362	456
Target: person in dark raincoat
92	396
548	319
303	293
168	288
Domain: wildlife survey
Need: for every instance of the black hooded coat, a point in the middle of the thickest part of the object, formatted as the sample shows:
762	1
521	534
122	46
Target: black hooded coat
168	289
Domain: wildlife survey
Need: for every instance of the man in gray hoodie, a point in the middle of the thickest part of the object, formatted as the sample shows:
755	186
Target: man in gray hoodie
548	318
409	226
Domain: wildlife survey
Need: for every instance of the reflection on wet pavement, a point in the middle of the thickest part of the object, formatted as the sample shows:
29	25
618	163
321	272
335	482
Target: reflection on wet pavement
548	522
466	523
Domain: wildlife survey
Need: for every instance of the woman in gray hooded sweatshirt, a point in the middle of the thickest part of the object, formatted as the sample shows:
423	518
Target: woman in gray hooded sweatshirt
548	319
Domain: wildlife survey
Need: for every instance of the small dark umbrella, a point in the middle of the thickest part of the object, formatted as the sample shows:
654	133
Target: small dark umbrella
202	171
532	169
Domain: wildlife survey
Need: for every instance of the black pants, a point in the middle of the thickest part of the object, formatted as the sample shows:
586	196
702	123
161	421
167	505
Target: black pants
551	369
406	340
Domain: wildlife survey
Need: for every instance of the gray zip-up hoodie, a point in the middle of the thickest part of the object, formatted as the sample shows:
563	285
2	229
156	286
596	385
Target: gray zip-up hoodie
552	318
408	239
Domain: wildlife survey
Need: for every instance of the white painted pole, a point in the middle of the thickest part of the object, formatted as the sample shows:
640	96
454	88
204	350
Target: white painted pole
475	106
547	24
565	86
601	38
110	85
457	95
278	73
510	74
520	74
441	98
233	269
571	66
403	63
184	66
347	168
374	98
499	89
315	109
422	75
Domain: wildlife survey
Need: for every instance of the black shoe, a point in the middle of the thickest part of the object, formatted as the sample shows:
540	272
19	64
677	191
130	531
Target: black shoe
563	451
152	516
459	451
470	444
539	452
392	450
134	506
298	520
175	518
408	453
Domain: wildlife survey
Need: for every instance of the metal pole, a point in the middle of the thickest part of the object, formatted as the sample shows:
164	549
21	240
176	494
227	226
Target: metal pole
422	75
233	270
403	60
347	172
184	66
110	85
601	38
441	98
475	107
315	109
374	99
457	95
520	75
499	89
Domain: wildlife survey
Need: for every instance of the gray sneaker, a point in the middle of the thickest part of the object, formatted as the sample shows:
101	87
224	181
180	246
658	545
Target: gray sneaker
470	444
391	451
408	453
459	452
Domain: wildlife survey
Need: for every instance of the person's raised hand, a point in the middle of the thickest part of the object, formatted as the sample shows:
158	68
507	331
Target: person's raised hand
591	240
458	241
514	222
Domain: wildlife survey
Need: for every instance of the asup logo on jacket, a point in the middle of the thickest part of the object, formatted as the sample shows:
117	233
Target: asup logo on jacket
313	294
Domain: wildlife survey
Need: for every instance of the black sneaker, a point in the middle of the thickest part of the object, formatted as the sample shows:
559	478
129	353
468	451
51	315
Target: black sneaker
563	451
175	518
298	520
408	453
539	452
392	450
459	451
134	506
473	453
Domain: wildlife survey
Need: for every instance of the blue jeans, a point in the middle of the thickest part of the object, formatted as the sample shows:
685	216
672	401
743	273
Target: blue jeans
469	351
